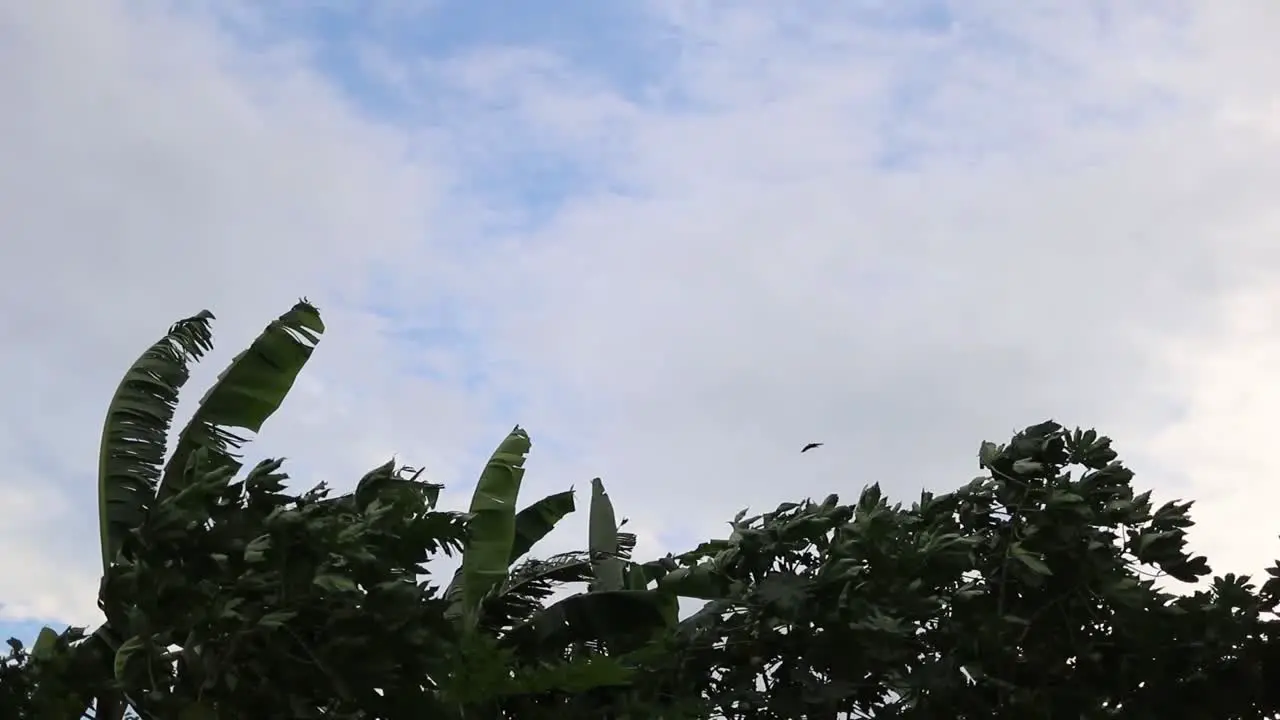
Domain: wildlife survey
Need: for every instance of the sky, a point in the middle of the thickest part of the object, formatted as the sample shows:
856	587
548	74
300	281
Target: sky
676	241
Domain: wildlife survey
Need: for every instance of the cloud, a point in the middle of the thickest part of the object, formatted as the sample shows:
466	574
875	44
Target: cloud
801	256
155	168
676	242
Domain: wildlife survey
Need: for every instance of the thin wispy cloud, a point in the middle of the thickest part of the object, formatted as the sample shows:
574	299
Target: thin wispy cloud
676	241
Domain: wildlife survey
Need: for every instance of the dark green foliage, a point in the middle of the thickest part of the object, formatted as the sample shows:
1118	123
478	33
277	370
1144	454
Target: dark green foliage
1032	591
237	598
1028	593
53	679
1038	590
303	607
228	596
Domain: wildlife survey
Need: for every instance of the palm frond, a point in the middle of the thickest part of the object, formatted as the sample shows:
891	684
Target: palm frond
603	540
247	393
619	619
492	527
389	484
538	520
136	428
522	594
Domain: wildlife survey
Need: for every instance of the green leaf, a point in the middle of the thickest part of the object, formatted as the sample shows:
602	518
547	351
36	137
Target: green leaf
603	541
492	529
280	617
247	393
870	498
1063	497
1033	563
124	653
230	609
335	583
1027	467
45	643
527	585
257	548
697	581
783	590
621	617
577	676
1120	507
536	521
987	454
136	428
635	577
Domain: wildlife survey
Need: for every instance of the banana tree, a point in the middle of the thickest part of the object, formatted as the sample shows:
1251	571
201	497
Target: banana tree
618	612
495	593
132	473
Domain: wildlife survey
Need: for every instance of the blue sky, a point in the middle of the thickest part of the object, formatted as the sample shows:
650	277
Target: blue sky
24	631
676	241
621	45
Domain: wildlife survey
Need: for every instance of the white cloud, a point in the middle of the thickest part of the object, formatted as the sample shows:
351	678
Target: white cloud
1223	445
1070	206
152	169
821	224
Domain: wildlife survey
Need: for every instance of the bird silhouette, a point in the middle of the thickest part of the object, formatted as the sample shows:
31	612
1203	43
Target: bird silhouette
810	446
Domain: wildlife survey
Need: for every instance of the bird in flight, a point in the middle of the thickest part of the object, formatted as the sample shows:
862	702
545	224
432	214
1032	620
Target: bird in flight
810	446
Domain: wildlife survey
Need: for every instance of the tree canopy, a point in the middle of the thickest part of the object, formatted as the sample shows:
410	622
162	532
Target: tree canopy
1042	589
